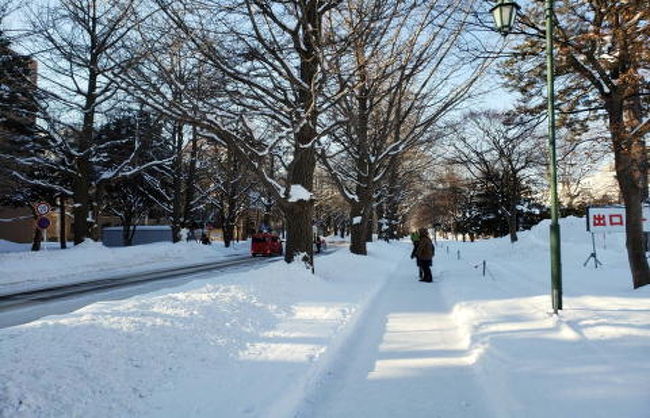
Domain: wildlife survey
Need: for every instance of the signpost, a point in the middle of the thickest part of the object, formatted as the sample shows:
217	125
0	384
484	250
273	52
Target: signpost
609	219
43	222
612	219
42	208
593	254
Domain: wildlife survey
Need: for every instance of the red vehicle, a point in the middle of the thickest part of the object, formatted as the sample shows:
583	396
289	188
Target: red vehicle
266	244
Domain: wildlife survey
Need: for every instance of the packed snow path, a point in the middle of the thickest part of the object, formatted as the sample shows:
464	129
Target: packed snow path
407	358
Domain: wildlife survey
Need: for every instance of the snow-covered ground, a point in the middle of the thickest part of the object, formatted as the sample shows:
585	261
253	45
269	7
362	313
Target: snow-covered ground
26	270
591	361
361	338
12	247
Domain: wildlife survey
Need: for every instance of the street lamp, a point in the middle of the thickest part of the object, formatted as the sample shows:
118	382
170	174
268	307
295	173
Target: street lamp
504	13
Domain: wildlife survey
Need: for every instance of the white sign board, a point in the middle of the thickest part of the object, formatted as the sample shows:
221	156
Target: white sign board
612	219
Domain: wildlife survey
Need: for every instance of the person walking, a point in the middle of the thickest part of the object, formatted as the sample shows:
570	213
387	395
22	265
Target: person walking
424	253
415	239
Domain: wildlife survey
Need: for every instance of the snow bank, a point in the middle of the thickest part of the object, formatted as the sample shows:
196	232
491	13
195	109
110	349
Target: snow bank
589	361
337	239
91	260
242	344
10	246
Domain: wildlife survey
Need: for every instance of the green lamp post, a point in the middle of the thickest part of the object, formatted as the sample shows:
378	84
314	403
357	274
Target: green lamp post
504	13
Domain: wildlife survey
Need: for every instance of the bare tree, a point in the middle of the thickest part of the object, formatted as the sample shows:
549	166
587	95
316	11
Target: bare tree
73	40
445	202
403	188
233	187
578	160
501	156
275	78
407	74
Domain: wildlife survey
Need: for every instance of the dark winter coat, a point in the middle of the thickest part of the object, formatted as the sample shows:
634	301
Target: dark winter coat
425	250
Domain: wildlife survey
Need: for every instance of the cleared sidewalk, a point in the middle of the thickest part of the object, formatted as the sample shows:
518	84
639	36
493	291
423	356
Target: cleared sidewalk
408	358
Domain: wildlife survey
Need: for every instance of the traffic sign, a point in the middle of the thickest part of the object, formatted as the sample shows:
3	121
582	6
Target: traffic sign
42	208
43	222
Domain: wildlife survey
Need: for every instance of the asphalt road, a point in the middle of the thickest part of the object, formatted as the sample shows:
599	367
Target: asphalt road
22	307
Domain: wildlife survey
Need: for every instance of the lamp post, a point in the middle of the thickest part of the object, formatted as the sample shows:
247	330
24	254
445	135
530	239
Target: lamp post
504	13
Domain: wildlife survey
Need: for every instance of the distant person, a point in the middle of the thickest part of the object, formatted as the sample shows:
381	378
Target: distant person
424	253
318	243
415	239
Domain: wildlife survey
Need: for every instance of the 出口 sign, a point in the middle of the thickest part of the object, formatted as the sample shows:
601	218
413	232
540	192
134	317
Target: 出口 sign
612	219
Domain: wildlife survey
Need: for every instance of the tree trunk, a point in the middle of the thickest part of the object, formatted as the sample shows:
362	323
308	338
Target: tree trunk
512	224
94	229
361	216
62	223
299	214
80	189
38	238
299	234
631	173
128	232
243	234
369	230
371	227
191	175
633	196
81	183
358	230
177	198
228	233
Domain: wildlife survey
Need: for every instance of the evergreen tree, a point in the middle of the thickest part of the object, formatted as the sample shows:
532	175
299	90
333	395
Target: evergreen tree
17	118
136	138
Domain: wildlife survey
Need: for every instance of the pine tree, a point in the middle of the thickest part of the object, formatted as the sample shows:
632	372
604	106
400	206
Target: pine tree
17	115
134	137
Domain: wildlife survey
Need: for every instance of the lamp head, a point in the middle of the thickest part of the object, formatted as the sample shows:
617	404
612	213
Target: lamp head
504	14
